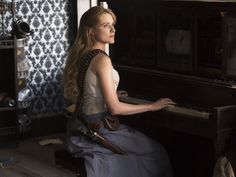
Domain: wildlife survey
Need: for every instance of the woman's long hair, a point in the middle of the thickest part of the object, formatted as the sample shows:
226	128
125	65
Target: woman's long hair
83	43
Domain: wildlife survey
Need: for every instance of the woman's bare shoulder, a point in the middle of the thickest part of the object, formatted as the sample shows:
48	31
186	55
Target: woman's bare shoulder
101	61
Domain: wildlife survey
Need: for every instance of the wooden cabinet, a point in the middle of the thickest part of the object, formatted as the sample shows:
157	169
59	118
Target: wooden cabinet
13	71
8	94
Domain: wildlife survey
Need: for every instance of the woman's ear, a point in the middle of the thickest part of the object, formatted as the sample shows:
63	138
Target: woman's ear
91	32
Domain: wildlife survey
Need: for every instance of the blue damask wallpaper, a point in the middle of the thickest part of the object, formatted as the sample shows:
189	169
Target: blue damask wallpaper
54	26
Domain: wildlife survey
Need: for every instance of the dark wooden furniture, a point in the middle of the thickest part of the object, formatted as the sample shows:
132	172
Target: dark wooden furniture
185	51
8	110
13	72
8	82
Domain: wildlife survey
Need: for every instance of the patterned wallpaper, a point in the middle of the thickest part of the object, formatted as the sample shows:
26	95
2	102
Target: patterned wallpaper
54	25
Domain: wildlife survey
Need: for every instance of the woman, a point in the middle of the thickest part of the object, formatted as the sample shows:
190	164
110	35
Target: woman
144	158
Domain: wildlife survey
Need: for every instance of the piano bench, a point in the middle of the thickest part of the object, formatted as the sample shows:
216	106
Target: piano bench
66	160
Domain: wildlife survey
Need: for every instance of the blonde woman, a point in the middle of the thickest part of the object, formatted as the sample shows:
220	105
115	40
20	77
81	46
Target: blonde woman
144	157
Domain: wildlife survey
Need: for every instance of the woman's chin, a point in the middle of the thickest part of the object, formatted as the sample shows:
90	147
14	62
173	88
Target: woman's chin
112	42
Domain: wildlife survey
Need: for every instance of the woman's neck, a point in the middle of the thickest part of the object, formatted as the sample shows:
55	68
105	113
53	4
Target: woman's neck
99	46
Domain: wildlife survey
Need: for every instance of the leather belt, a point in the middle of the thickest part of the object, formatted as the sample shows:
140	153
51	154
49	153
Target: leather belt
95	126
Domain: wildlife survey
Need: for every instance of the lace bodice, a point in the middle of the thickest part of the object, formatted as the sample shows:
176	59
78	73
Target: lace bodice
92	98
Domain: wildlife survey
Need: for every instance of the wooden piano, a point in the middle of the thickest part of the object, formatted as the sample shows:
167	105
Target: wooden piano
203	109
203	121
184	50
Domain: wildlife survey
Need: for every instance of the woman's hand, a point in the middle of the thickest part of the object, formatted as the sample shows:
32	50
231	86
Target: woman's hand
162	103
122	93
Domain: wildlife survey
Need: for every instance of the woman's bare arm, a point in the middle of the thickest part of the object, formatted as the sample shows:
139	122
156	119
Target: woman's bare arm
102	67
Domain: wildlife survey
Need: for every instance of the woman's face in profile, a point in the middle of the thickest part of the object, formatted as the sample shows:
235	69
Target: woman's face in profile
104	32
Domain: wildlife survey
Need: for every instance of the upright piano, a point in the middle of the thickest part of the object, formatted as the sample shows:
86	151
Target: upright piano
184	50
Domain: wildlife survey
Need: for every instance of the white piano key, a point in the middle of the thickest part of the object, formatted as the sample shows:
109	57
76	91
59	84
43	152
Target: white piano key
172	109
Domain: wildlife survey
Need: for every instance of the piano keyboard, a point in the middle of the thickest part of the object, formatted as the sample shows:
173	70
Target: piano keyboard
172	109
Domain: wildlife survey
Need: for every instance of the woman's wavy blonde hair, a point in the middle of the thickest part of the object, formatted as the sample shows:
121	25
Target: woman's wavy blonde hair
83	43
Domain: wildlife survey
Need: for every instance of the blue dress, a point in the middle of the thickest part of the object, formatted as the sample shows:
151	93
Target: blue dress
145	157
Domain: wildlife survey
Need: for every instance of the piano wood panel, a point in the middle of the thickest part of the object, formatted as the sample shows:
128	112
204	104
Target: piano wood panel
208	137
198	76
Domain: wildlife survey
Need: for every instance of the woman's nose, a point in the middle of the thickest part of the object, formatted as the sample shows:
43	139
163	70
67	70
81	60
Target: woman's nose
113	28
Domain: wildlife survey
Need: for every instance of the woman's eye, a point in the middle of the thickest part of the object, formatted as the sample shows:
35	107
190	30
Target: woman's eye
108	26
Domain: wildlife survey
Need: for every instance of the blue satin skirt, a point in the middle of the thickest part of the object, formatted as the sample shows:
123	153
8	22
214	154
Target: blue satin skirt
145	158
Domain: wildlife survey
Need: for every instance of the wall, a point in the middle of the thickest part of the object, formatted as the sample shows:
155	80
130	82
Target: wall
54	23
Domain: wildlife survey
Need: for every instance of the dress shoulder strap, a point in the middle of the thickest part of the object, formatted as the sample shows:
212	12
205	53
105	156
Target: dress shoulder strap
91	54
83	67
84	64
